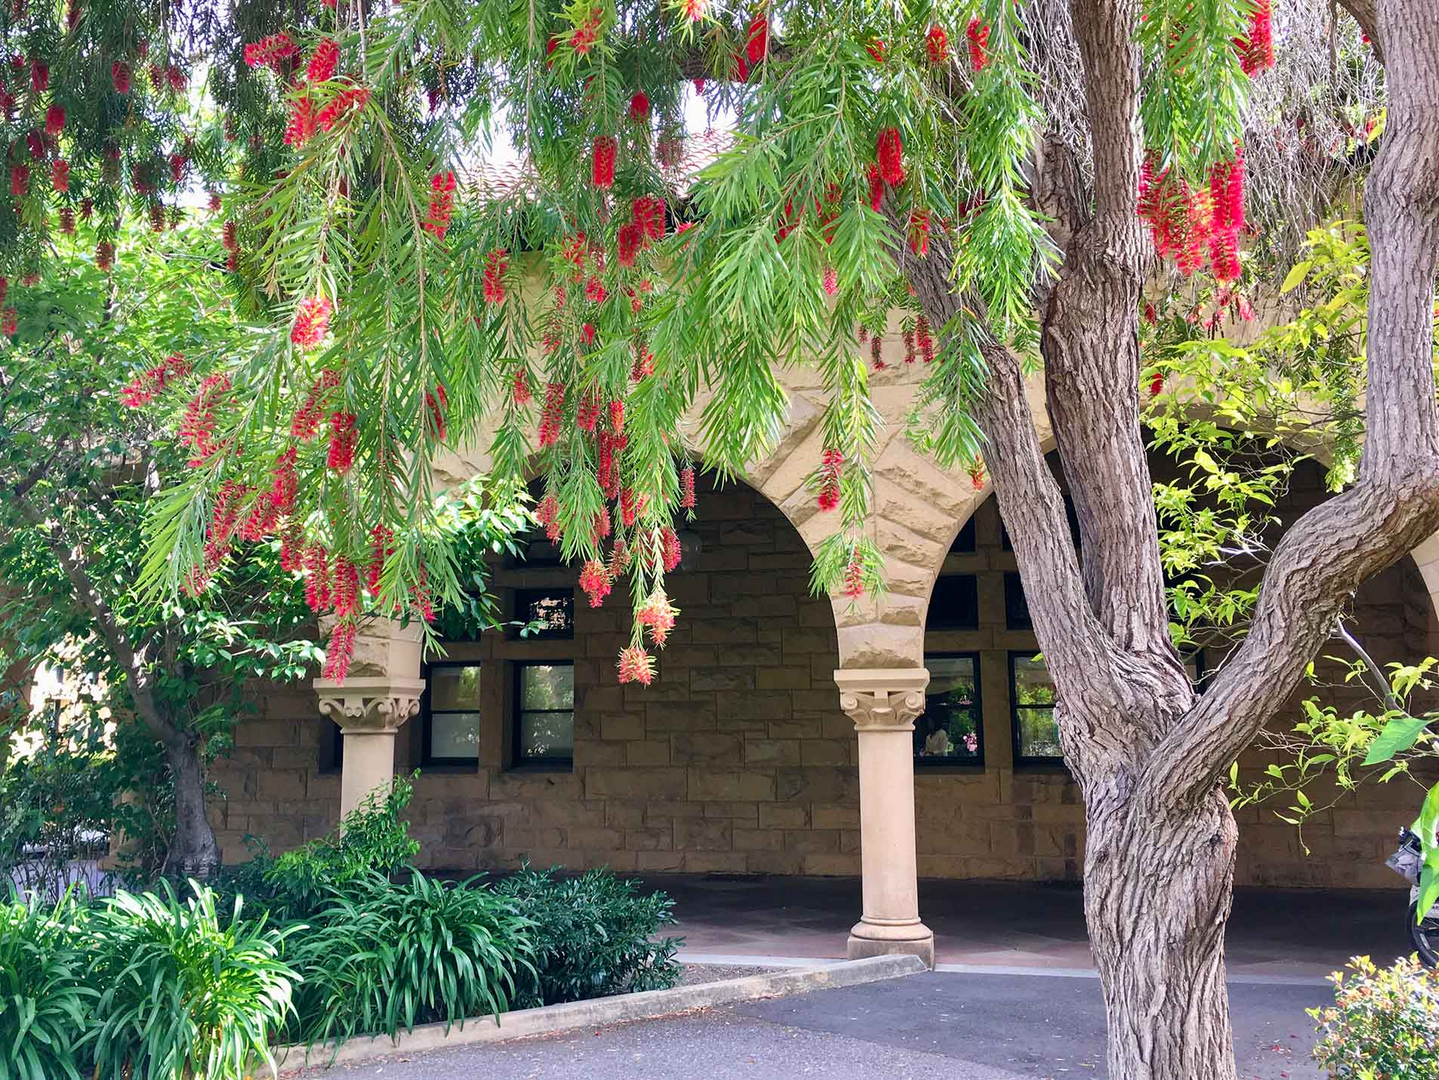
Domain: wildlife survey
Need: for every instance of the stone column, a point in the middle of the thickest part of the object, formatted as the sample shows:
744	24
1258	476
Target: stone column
381	692
883	703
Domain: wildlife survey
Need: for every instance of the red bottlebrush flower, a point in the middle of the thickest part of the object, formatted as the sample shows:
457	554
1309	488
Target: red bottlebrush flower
322	64
381	549
595	581
340	651
1256	52
316	562
230	236
442	204
699	85
876	187
177	168
9	322
303	123
292	544
644	362
830	281
627	243
587	335
670	553
923	339
60	176
639	106
1224	255
548	514
87	207
976	477
273	50
520	390
617	417
1150	315
936	44
1156	384
496	263
658	615
157	217
345	591
919	232
854	577
876	356
197	426
36	144
687	488
342	442
757	41
635	664
978	35
353	98
19	180
214	203
629	507
595	290
420	601
312	322
39	76
54	120
1246	309
120	76
694	10
105	255
67	219
232	262
4	288
1226	192
875	49
601	527
741	67
284	483
584	36
157	76
889	151
552	414
602	173
176	79
909	346
587	413
437	404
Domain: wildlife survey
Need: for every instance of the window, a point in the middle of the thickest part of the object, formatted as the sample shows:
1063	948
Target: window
950	731
954	604
964	543
545	713
1016	607
1196	668
551	612
1031	699
451	714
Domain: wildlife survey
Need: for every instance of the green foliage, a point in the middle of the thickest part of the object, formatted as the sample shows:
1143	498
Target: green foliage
1384	1024
382	957
182	991
594	934
44	999
371	841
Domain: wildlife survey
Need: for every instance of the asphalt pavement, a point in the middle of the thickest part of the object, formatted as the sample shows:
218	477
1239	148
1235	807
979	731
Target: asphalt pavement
950	1025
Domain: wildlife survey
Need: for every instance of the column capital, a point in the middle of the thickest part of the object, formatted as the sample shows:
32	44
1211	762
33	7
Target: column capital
882	699
374	704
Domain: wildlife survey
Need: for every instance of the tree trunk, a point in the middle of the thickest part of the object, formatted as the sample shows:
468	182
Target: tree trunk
193	850
1157	894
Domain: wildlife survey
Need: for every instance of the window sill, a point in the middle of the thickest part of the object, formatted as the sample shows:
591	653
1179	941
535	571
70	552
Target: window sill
452	768
948	768
542	768
1043	768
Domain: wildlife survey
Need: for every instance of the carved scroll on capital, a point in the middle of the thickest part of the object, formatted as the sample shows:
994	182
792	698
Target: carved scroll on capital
369	704
882	699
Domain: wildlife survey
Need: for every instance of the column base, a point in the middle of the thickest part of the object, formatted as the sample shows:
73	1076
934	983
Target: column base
879	939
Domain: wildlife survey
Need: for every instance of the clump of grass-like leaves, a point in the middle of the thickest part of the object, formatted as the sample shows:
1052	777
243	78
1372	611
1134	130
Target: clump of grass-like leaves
43	997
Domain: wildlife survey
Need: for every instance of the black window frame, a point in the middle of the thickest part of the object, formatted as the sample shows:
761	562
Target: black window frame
518	758
523	600
1022	760
976	762
427	718
934	622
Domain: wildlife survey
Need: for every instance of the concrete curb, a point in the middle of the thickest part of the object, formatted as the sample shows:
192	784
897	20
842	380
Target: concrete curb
553	1019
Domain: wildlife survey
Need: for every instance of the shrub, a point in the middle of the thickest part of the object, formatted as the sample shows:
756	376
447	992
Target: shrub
594	935
43	996
381	957
372	840
183	992
1384	1022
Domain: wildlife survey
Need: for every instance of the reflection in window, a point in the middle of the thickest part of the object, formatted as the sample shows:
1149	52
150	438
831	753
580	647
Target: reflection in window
545	613
452	714
954	603
949	732
1032	697
545	713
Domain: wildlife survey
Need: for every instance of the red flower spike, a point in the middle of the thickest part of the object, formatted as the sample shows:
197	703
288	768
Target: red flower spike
104	255
657	614
303	123
19	180
312	322
587	413
831	462
757	41
919	232
687	488
67	218
876	51
639	106
552	415
9	322
340	651
595	581
381	549
60	178
936	44
322	64
342	442
437	404
629	507
978	35
617	417
889	151
854	577
876	356
230	236
197	426
1256	52
39	76
670	554
602	173
695	10
520	391
587	335
627	243
923	339
54	120
635	664
316	562
496	263
976	477
830	281
595	291
120	76
876	187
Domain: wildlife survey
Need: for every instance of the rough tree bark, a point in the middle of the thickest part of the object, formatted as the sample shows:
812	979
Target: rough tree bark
1148	755
193	850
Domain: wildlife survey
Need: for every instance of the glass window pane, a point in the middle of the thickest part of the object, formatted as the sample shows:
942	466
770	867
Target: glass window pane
551	613
954	603
950	726
547	735
455	687
1032	685
455	735
547	686
1038	733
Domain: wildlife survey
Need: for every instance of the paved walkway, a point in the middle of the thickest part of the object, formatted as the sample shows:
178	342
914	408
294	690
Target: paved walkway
924	1027
1274	933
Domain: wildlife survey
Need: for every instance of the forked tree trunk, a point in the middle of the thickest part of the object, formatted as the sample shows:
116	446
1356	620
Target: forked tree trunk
193	850
1157	894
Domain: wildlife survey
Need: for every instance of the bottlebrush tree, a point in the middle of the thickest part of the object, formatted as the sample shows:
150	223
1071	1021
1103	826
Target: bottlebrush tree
1001	172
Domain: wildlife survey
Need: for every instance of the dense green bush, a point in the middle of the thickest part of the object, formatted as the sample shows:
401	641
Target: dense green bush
43	997
380	957
1383	1025
183	992
594	935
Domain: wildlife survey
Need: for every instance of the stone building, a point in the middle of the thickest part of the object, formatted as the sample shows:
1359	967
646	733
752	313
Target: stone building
908	736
